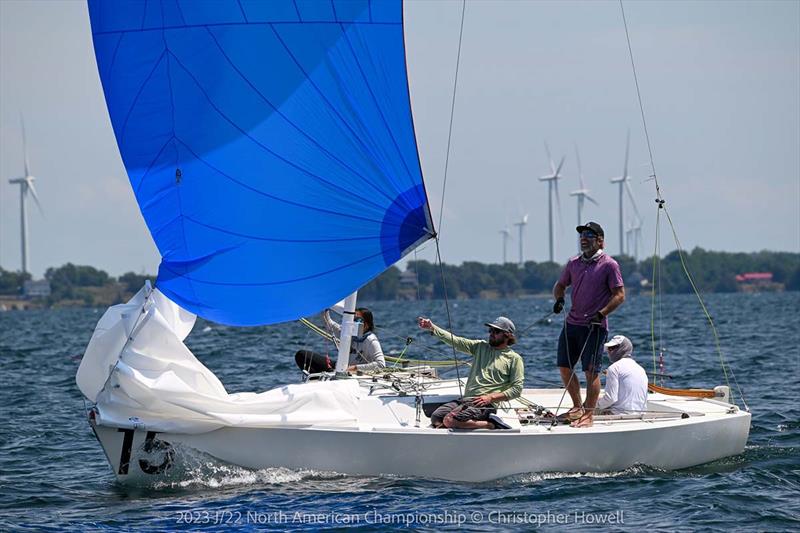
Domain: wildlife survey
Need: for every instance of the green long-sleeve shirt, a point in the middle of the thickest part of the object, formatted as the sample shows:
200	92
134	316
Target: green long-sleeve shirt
492	370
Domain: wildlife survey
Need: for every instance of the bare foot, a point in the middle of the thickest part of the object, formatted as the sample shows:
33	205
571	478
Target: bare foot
583	422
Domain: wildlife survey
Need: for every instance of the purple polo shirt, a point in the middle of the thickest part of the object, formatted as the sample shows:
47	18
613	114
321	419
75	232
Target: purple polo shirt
591	286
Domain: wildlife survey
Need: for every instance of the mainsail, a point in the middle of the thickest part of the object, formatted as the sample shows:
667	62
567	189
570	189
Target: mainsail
270	146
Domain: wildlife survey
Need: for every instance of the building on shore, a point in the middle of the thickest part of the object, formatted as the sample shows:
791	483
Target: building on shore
757	282
39	288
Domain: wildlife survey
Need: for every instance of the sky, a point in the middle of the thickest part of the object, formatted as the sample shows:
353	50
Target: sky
720	83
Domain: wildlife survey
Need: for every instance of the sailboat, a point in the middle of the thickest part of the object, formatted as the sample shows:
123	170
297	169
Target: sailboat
271	149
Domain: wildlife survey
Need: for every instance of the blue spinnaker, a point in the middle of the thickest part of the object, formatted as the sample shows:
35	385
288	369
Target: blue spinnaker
270	145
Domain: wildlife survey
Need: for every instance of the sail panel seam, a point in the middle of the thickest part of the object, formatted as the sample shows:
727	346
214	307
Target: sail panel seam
276	239
288	121
124	125
375	101
261	145
269	23
366	149
270	283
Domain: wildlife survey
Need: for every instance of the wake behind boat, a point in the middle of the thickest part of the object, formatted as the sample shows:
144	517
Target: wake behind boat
272	152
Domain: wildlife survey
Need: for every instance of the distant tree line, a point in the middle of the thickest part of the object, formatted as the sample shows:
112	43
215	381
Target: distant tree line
77	285
711	271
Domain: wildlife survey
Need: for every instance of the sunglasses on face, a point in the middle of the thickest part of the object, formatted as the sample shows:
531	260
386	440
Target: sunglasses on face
496	331
588	235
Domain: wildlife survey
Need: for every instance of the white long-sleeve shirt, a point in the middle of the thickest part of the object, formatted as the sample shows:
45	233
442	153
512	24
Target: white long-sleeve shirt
626	387
367	355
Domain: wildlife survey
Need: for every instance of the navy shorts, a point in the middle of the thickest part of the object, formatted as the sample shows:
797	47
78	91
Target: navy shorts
462	410
582	342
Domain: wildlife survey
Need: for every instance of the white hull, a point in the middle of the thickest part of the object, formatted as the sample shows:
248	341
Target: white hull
386	441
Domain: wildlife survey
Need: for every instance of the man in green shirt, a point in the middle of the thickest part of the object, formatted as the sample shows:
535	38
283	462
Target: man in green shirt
496	375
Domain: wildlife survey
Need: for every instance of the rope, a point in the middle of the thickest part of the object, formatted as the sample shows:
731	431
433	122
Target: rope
639	96
661	205
449	318
444	189
328	336
708	315
452	113
573	365
656	283
443	364
536	323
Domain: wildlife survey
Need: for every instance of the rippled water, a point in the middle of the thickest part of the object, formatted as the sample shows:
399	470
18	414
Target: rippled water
54	475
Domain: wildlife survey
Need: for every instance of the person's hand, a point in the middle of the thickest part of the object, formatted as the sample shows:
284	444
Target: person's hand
424	323
558	306
597	318
482	401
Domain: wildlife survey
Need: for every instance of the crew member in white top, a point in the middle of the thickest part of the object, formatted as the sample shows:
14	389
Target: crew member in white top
626	381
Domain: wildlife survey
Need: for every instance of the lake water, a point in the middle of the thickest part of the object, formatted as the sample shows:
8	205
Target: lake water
54	476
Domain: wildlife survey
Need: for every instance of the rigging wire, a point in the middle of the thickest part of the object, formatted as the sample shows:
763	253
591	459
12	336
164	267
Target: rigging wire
452	113
449	318
444	189
656	283
535	323
662	205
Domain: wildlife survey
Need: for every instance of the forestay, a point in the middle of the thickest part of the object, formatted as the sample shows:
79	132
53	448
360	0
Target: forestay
270	146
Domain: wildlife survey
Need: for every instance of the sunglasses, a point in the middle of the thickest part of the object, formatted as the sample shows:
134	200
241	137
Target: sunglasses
588	235
493	331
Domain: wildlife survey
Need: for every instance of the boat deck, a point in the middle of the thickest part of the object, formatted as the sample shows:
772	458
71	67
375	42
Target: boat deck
391	405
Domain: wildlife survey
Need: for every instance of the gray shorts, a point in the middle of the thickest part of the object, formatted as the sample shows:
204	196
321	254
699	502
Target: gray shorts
462	410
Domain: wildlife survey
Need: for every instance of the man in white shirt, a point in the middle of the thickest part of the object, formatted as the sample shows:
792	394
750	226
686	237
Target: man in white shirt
626	381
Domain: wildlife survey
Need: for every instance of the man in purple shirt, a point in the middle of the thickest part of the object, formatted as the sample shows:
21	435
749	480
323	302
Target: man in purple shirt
597	290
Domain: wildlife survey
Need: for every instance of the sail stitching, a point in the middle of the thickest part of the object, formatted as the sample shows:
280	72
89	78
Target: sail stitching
377	71
244	15
114	55
375	101
268	283
260	144
297	10
295	126
181	217
276	239
276	198
224	24
124	126
321	94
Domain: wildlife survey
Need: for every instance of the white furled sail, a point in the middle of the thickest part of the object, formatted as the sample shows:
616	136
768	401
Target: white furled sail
158	384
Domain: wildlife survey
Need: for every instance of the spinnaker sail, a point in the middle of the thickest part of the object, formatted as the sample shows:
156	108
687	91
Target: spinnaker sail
270	146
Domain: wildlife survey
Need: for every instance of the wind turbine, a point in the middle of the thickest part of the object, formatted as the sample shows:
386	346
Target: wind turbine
582	193
622	181
25	185
552	185
521	224
506	233
634	232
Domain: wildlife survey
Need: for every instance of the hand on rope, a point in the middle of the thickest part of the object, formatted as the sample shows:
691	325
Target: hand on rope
597	318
